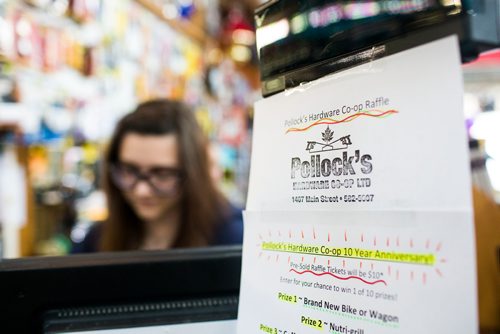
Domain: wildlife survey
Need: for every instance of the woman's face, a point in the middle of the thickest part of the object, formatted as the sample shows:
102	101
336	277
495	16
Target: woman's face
155	159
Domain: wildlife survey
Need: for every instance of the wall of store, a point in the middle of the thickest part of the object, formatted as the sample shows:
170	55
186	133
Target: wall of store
70	69
482	113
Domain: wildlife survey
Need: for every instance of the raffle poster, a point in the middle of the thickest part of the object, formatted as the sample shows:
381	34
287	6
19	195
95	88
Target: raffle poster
359	214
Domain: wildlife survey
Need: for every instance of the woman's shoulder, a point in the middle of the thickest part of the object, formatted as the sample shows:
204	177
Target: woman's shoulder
230	230
87	240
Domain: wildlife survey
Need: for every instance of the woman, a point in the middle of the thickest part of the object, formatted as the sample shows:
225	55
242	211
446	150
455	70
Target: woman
158	186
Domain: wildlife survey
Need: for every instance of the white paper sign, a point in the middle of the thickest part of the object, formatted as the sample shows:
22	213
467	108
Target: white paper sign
359	215
385	135
372	272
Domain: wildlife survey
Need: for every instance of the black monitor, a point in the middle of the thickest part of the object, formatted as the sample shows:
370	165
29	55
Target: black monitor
303	40
177	291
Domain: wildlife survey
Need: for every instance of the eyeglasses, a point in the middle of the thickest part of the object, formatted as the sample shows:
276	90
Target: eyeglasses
163	180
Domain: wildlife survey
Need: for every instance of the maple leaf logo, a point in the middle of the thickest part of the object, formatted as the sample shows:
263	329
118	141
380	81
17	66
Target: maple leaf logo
327	135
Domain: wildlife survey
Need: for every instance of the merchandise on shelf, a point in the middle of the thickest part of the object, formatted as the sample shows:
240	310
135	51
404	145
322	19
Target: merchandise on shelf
70	69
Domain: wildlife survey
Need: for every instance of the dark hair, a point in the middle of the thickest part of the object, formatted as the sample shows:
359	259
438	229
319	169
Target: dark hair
202	205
